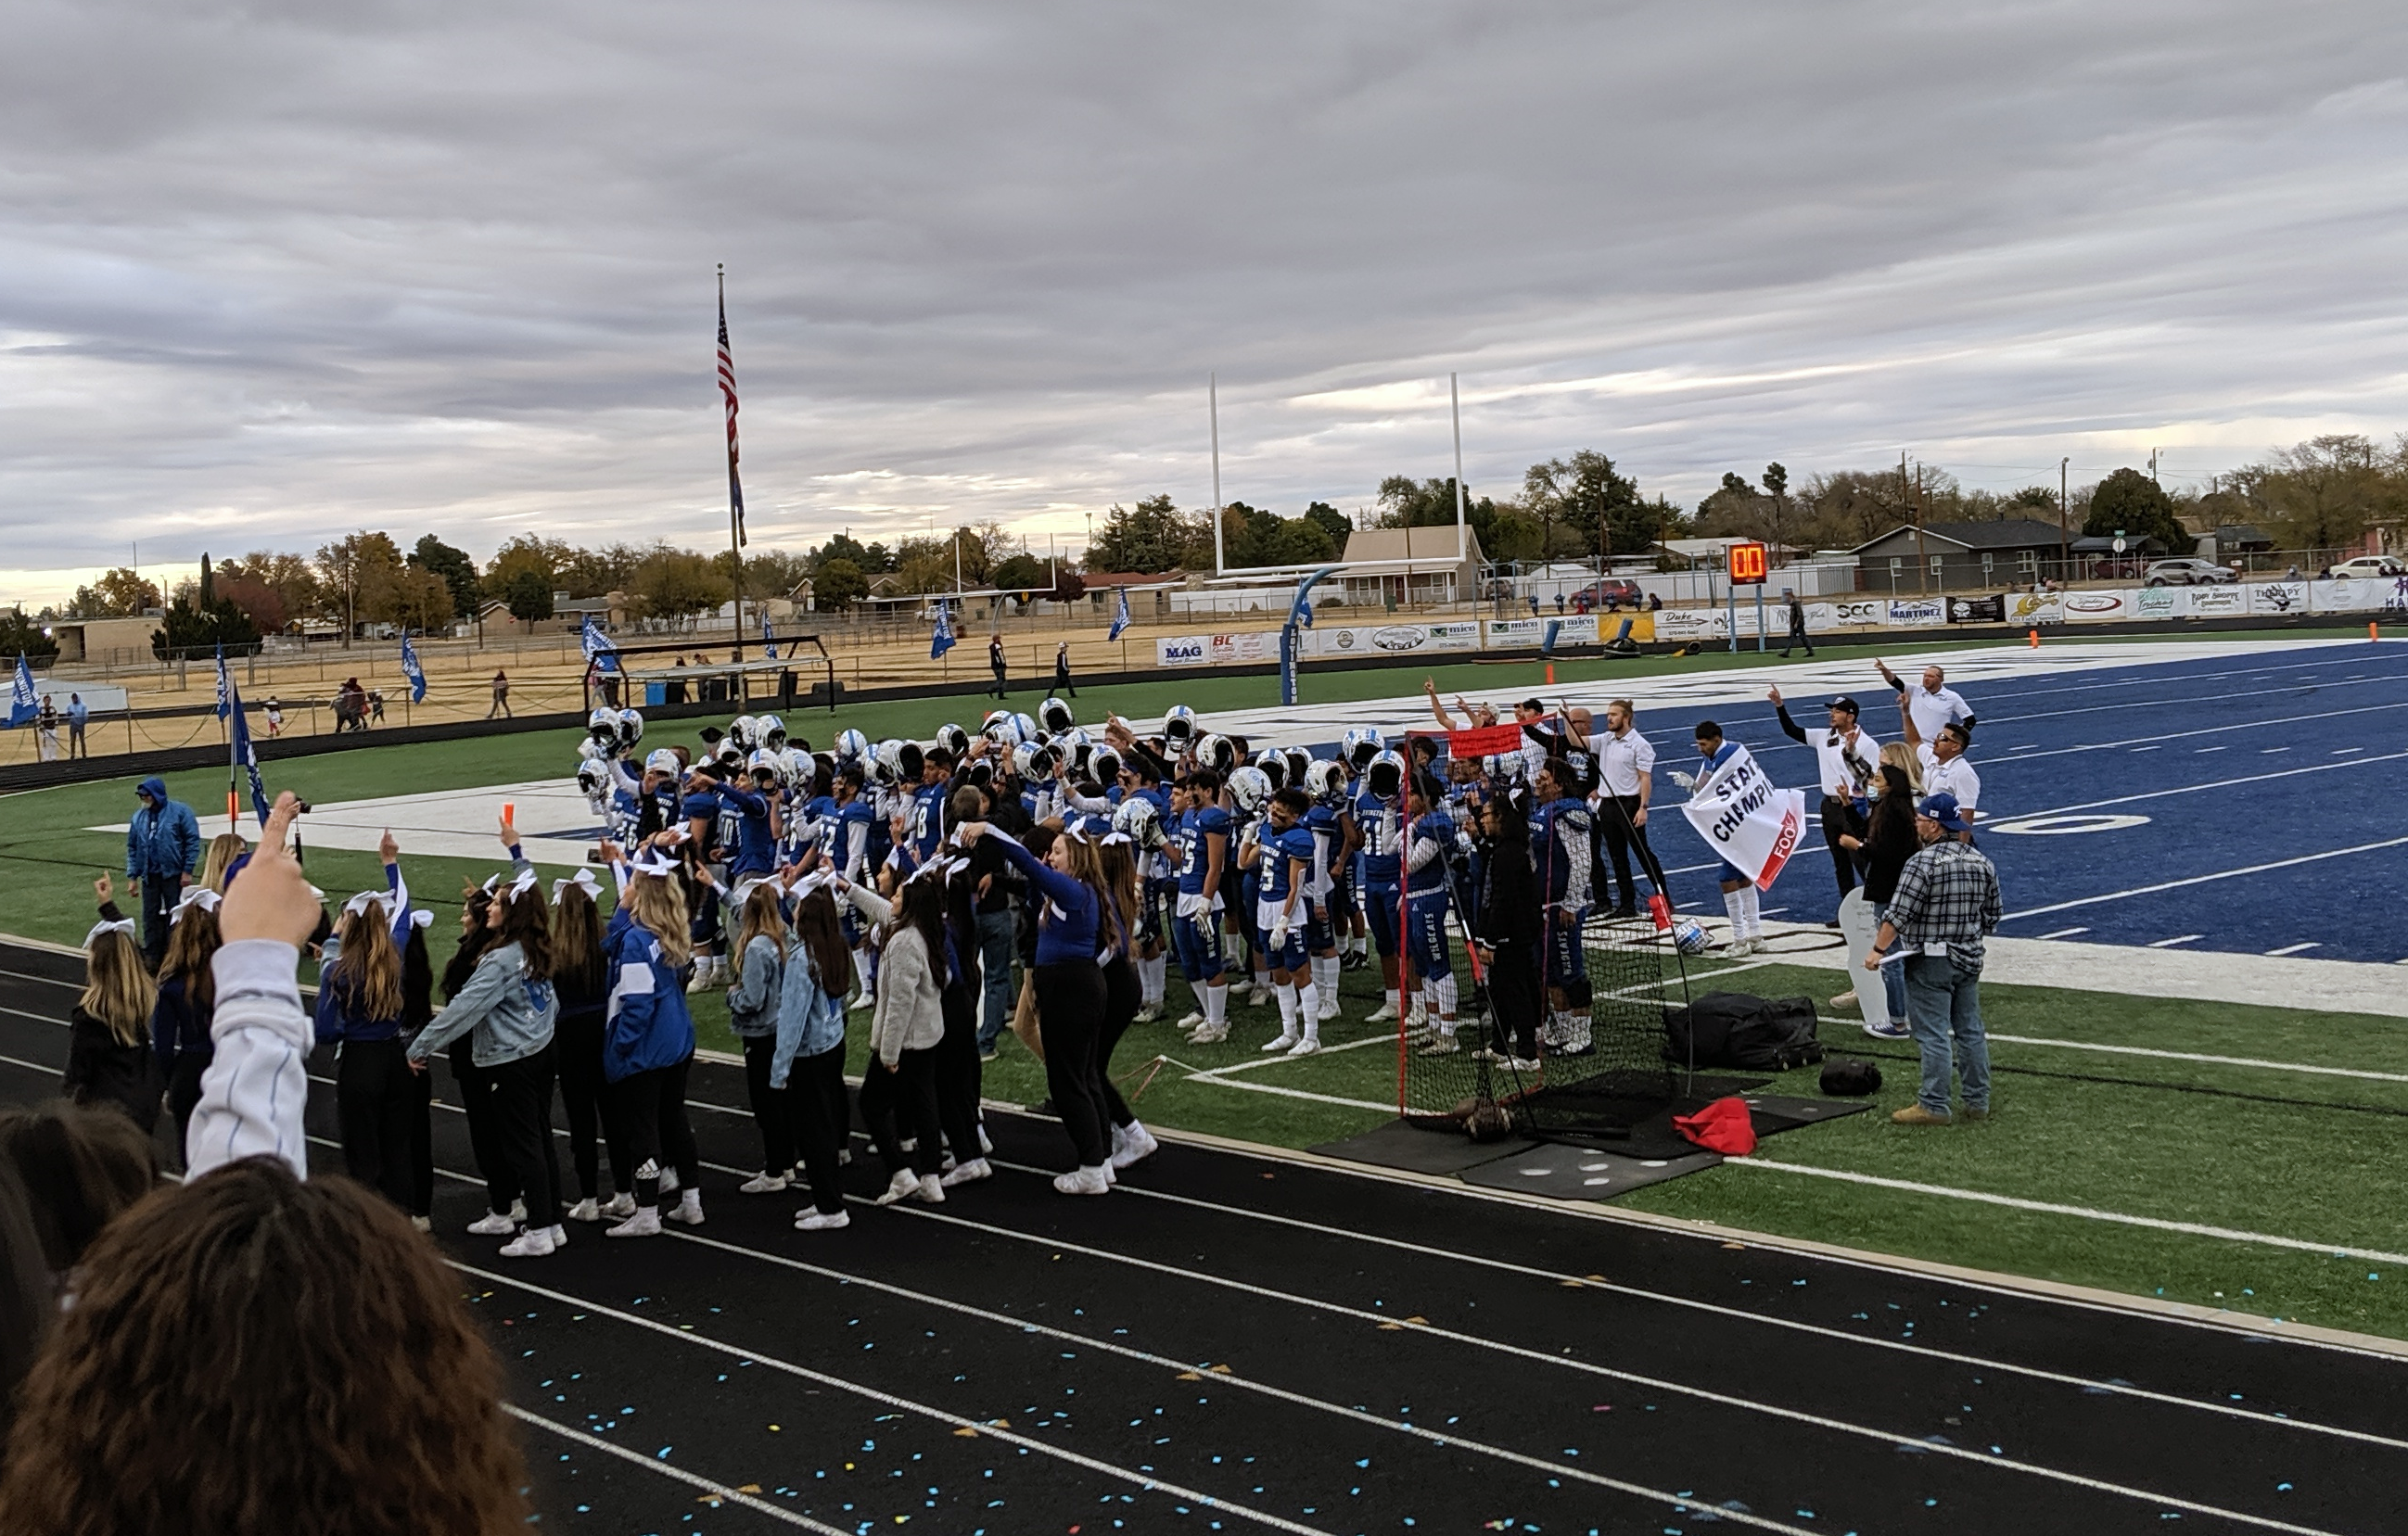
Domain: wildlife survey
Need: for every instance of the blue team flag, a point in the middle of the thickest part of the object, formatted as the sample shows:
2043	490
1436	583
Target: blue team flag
1120	618
768	637
22	704
597	647
943	640
244	757
411	670
225	683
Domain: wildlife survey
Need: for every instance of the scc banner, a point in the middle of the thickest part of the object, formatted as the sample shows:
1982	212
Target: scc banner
1750	822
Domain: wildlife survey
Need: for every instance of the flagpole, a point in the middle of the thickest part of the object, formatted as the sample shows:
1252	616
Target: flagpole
734	497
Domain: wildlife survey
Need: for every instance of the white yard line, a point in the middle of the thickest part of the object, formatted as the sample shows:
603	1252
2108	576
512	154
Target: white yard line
2189	1229
2259	1063
2205	879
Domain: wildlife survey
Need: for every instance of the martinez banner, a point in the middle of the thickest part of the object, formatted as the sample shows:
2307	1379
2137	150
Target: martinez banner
1751	824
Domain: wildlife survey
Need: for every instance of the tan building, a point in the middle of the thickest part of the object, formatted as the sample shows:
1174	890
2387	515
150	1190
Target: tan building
1431	569
104	641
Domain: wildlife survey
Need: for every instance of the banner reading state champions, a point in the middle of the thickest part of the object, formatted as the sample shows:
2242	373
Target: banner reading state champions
1749	822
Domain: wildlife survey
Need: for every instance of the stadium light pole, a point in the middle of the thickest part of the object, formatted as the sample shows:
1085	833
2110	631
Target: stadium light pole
1212	401
2064	549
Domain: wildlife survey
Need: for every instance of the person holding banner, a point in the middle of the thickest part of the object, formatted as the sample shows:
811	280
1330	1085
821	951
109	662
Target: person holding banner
1626	764
1753	825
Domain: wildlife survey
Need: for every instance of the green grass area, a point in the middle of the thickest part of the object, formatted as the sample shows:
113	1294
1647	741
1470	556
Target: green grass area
2254	1149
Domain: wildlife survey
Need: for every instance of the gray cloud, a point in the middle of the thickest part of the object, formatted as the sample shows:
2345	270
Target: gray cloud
278	271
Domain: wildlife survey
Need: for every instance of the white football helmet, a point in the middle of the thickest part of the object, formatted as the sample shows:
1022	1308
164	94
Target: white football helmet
1384	775
1104	766
1324	779
1055	715
1178	727
1362	744
1217	752
1272	764
593	777
1251	789
852	746
773	733
745	731
1134	819
954	739
631	729
1002	729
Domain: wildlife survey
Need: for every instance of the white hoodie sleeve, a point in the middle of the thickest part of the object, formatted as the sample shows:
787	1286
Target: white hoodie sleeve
258	1082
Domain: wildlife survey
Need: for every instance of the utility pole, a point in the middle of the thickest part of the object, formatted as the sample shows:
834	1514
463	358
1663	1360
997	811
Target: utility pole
1914	500
2064	548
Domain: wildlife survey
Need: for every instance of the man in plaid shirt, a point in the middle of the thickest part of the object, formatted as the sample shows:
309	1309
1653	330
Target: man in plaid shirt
1947	902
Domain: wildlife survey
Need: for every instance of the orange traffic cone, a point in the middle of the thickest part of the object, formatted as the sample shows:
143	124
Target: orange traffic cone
2035	639
1551	668
2374	631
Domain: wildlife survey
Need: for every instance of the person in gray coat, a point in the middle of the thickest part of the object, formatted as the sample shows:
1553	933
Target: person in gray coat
756	915
899	1087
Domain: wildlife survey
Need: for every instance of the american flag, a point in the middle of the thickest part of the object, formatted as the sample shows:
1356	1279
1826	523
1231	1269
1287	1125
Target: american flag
727	392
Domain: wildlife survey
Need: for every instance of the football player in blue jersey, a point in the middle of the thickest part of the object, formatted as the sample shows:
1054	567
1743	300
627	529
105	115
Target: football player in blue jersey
1140	778
698	813
1196	926
1283	855
1379	823
1564	854
857	821
925	827
1428	865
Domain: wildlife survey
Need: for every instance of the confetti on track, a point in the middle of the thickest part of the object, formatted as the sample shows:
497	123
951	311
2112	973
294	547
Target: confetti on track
1329	1352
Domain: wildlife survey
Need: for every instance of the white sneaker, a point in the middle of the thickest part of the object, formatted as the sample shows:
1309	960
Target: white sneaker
687	1211
866	1000
903	1183
1328	1009
1845	1000
646	1222
1281	1044
1737	948
534	1242
1133	1146
986	1147
930	1191
421	1224
619	1207
700	980
1440	1045
1257	996
668	1182
969	1173
1522	1064
1211	1034
814	1221
1149	1013
1304	1047
1191	1021
492	1223
1384	1012
763	1183
588	1209
1081	1181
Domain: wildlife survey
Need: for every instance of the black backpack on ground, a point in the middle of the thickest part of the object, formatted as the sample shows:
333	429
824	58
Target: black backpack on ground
1736	1029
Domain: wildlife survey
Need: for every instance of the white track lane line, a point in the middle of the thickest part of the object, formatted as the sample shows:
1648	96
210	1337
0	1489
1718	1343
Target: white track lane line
1976	1362
2082	1384
1230	1378
2189	1229
2204	879
1610	1373
1145	1481
677	1474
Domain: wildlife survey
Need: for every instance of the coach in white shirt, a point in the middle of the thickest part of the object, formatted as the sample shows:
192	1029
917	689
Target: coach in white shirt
1845	760
1932	705
1625	772
1946	770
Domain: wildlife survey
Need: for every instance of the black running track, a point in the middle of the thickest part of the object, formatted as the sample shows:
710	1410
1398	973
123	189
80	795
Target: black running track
1242	1343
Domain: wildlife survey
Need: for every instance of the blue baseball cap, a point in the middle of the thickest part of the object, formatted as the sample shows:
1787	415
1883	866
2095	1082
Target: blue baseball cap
1942	809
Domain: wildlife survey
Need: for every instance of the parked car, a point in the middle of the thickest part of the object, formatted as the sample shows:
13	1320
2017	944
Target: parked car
2372	565
1613	595
2186	573
2114	569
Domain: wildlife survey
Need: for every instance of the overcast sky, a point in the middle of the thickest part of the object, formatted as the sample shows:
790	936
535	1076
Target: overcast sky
278	271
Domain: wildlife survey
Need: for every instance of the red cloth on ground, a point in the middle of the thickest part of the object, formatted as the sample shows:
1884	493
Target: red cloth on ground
1723	1126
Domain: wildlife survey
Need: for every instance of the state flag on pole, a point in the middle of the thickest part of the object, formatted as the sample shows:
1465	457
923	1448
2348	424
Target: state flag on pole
22	703
245	757
1120	616
727	393
226	684
943	640
597	647
411	670
769	637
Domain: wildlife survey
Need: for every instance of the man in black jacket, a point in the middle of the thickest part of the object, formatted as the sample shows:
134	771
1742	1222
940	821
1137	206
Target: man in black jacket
1507	931
1796	624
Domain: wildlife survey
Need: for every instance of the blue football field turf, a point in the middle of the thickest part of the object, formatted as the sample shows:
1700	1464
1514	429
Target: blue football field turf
2245	804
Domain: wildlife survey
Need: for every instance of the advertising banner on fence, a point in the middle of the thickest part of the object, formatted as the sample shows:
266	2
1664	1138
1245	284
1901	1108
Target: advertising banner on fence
1751	824
1977	610
2097	608
1916	613
1519	634
2036	608
1181	651
1692	624
2360	594
1852	613
1252	646
2277	597
2216	601
1394	639
2158	603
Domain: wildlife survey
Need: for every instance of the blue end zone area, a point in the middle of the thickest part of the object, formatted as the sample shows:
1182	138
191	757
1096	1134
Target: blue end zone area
2230	803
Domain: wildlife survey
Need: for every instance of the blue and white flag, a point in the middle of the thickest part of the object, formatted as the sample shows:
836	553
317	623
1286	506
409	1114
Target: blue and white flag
943	640
769	637
226	684
1121	618
244	757
597	647
22	704
411	670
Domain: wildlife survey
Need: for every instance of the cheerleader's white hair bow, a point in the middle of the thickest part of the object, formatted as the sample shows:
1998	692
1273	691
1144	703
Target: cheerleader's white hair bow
198	896
123	924
651	861
1122	838
366	899
583	880
527	880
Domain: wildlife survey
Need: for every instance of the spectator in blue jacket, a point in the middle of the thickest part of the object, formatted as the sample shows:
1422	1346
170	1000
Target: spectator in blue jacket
163	847
648	1040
